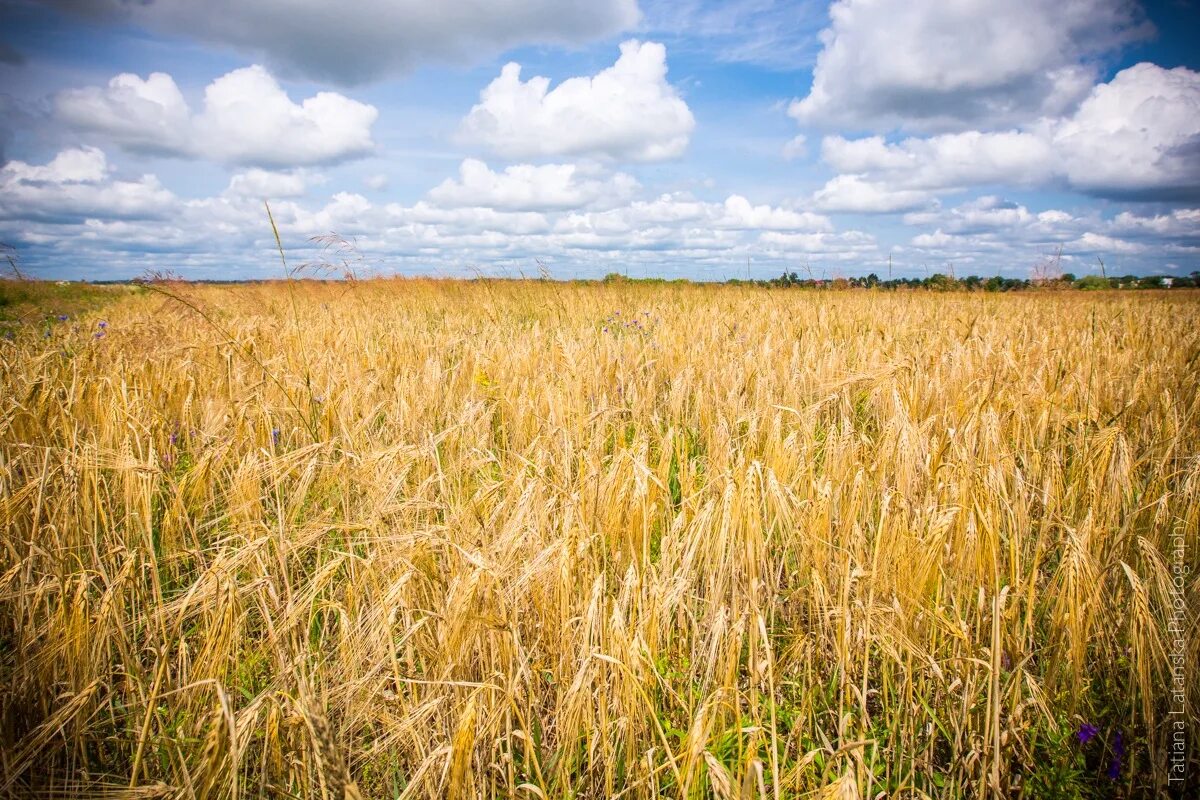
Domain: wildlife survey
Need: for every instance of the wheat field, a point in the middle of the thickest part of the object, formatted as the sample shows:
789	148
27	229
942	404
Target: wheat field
426	539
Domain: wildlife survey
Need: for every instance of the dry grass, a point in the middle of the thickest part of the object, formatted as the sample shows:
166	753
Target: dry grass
495	540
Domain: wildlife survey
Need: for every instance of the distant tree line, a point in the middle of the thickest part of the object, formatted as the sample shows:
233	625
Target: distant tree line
996	283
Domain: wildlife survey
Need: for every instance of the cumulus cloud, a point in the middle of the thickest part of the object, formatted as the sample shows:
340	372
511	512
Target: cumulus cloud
1135	136
934	240
947	161
76	184
852	194
353	42
264	184
677	211
1182	222
932	65
1092	242
148	114
992	215
528	187
428	218
247	119
737	213
74	165
627	112
75	213
991	230
844	246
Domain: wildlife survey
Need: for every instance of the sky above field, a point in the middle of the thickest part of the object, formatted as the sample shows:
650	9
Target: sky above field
580	137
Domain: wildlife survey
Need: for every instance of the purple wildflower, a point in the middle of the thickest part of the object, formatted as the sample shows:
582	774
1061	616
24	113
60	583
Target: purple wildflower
1086	733
98	335
102	324
275	435
63	318
1114	766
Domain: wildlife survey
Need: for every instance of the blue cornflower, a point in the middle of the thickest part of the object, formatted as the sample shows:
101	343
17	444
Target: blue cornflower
102	324
98	335
63	318
275	435
1086	733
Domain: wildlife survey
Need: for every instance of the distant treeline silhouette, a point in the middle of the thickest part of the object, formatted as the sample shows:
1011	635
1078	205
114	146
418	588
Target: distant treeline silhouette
942	282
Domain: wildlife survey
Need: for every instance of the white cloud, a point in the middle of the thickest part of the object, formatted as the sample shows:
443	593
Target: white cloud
843	246
353	42
737	213
947	161
74	165
870	153
1100	243
680	211
796	147
1183	222
247	119
1053	217
74	213
997	230
934	240
992	213
538	188
262	184
627	112
468	220
76	184
149	114
1137	135
853	194
377	182
994	220
929	64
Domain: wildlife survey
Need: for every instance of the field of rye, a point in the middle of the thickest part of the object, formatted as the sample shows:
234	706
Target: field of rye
427	539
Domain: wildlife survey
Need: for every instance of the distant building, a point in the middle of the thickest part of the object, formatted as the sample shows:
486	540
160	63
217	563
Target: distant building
1167	282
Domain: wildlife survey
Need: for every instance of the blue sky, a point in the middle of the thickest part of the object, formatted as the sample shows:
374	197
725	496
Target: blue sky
682	139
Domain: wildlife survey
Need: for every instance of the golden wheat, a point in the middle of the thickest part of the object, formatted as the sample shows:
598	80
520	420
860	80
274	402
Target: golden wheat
522	539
